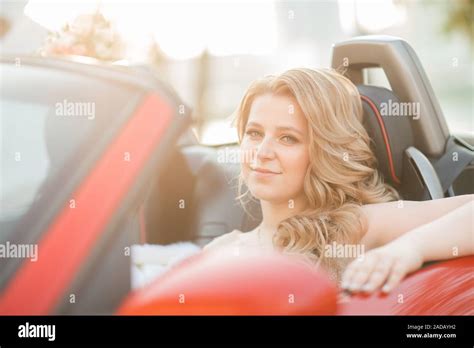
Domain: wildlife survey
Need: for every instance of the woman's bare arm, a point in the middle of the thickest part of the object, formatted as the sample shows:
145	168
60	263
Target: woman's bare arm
388	221
448	236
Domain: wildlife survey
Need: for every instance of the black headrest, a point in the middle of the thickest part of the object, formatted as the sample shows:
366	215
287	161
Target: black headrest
391	133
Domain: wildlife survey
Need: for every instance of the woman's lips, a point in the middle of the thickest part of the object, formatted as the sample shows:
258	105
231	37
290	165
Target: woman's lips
263	173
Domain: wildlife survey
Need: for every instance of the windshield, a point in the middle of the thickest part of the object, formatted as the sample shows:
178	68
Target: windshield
45	116
25	161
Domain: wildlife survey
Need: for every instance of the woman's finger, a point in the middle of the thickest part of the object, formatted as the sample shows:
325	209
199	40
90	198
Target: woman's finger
349	272
379	275
396	275
352	270
364	270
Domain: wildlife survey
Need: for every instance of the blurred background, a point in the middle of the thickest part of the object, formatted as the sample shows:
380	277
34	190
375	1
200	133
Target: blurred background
210	51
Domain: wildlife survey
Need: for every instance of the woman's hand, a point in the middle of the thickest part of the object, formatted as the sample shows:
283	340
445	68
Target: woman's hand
383	267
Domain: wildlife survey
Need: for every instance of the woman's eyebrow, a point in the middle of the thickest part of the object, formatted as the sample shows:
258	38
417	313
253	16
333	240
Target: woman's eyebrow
281	128
290	129
254	124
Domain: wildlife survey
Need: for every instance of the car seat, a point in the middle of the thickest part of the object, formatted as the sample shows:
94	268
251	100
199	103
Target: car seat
416	153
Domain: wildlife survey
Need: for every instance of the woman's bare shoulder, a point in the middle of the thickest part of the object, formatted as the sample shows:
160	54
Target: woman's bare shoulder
223	240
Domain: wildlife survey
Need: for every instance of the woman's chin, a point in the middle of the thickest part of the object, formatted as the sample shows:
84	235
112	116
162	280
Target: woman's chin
267	195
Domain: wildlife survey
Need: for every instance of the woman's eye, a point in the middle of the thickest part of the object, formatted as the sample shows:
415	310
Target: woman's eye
252	133
289	139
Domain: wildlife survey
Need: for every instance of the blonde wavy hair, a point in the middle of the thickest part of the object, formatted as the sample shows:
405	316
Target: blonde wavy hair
342	174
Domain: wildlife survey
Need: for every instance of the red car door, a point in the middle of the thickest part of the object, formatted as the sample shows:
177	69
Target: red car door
85	214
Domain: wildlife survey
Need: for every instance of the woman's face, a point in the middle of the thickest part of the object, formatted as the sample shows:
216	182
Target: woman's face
274	149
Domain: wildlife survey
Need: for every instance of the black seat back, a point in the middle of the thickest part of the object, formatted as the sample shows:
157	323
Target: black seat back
415	151
401	164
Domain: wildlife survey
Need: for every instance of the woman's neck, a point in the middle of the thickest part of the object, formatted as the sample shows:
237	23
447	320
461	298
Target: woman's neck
274	213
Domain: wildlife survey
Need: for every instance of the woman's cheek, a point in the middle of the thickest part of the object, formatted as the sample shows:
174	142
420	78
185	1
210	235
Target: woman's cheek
245	158
245	171
298	162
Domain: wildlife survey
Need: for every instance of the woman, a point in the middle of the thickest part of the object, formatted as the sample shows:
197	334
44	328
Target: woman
307	158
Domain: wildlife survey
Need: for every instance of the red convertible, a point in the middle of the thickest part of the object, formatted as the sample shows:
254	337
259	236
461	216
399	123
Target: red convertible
98	158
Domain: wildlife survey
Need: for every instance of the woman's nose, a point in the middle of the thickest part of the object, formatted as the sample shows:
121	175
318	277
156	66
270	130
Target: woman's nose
265	149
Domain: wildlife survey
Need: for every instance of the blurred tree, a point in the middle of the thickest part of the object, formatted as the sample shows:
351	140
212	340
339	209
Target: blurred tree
460	18
90	35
